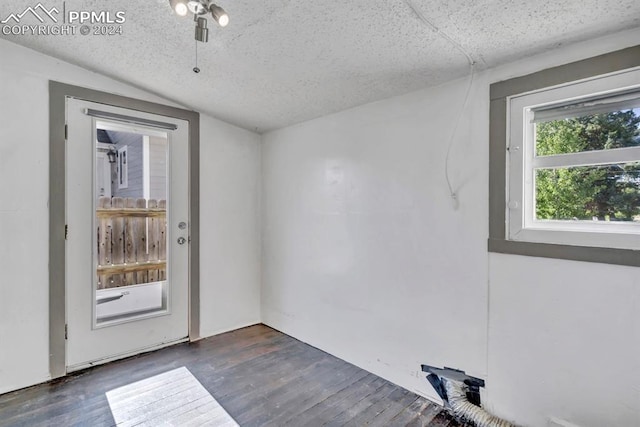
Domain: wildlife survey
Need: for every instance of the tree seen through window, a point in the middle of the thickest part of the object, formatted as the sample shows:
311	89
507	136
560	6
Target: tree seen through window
606	192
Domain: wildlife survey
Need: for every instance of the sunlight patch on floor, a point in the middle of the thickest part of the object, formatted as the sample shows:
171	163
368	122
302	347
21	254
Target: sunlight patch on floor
174	398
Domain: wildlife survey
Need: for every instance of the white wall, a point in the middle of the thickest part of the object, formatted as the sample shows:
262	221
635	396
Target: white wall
230	223
564	341
365	256
24	192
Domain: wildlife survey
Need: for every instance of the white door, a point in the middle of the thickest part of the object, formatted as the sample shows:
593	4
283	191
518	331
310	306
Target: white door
126	256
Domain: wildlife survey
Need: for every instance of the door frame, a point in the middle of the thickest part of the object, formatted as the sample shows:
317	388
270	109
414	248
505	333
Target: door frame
58	92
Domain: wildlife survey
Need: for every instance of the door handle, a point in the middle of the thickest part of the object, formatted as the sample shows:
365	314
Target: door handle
182	240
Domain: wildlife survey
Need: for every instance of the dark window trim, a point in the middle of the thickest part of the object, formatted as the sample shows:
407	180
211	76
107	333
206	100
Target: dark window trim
498	243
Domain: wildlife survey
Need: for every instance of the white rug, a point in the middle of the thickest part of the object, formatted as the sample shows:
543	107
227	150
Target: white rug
174	398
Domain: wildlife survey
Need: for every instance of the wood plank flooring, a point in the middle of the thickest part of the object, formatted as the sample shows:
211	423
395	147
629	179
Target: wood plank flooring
258	375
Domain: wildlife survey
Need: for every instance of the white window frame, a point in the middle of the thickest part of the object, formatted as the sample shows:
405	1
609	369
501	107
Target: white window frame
522	162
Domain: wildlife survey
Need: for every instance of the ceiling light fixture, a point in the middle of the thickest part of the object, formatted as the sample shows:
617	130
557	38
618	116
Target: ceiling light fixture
219	15
202	32
179	7
199	8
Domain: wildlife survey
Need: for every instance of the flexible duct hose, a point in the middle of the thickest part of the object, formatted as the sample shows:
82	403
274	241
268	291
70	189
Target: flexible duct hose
467	411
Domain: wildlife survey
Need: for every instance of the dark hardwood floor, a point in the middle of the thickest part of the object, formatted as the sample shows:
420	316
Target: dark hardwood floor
260	376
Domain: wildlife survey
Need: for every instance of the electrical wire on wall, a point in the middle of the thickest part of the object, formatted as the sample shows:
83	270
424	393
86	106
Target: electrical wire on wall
452	191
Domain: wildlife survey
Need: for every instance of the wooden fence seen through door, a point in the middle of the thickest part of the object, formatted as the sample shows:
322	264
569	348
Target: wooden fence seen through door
132	241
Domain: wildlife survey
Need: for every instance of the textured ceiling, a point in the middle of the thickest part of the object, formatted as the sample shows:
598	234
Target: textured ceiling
280	62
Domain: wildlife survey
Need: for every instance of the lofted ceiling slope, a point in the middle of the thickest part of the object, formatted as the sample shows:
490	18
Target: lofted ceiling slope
280	62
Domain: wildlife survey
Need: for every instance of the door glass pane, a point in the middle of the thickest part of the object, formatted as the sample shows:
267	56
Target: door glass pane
130	239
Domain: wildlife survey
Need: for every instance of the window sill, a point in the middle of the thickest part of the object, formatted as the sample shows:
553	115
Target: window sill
628	257
617	236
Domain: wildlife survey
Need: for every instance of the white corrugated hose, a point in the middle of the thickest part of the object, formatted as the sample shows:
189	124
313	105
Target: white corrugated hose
467	411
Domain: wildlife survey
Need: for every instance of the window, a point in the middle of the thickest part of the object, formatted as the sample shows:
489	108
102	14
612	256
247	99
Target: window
123	168
564	161
574	163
